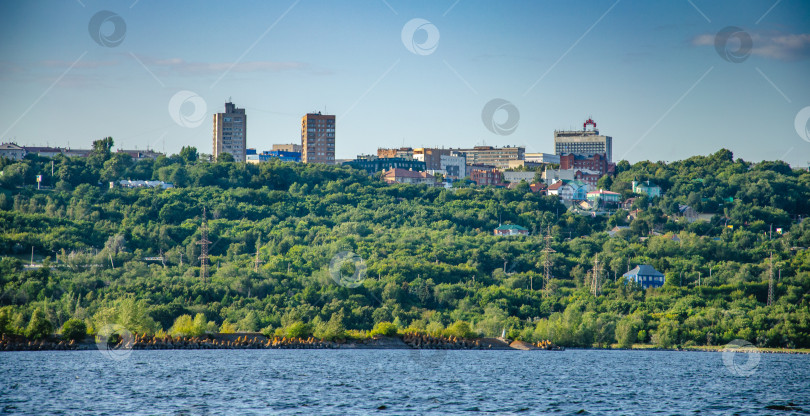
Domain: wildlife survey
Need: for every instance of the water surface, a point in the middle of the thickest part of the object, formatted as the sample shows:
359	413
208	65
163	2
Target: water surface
392	382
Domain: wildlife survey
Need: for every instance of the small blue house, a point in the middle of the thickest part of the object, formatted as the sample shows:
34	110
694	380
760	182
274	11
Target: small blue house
646	276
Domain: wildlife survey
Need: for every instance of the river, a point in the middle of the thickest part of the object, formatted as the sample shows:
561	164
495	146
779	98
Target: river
393	382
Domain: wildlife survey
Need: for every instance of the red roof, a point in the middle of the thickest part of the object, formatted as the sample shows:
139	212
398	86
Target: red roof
405	173
555	186
602	192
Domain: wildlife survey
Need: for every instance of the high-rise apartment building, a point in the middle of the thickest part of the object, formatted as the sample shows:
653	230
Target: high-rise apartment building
318	138
584	143
230	132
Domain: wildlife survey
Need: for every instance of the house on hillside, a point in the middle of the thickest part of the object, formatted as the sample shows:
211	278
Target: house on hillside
686	212
603	198
646	276
652	190
511	229
569	190
396	175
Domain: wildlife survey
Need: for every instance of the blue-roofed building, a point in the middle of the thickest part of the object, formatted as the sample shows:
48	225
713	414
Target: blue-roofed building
266	155
646	276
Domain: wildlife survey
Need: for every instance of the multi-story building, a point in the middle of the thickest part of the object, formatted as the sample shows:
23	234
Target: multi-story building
497	156
12	151
292	147
542	158
140	154
402	152
596	163
520	175
230	132
431	157
487	177
267	155
318	138
454	165
586	142
374	164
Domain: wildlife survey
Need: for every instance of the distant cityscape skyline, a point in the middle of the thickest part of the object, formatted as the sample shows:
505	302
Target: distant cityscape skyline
665	81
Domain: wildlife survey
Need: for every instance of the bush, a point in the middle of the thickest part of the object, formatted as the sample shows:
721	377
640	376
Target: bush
387	329
459	329
185	326
299	329
74	330
39	326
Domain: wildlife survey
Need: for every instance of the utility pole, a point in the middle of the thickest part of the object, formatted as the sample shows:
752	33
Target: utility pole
547	264
204	248
770	280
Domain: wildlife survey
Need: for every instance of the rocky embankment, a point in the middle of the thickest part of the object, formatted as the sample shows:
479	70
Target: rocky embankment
259	341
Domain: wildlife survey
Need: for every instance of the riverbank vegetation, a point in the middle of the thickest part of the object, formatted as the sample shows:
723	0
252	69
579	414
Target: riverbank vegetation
426	258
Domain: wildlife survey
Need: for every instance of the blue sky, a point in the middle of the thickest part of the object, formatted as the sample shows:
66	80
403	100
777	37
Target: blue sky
647	72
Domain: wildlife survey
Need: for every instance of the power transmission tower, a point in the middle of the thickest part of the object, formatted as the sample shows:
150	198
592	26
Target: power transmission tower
204	248
257	261
595	276
770	280
547	264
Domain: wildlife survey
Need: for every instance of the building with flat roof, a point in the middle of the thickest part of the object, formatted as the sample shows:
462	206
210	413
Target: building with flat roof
402	152
488	155
454	165
230	132
583	142
267	155
542	158
318	138
431	156
140	154
374	164
292	147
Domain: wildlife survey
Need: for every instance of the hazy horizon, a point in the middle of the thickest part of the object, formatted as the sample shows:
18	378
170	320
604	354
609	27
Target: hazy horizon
655	77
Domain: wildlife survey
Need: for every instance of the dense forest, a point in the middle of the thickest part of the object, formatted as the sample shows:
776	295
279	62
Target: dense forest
421	259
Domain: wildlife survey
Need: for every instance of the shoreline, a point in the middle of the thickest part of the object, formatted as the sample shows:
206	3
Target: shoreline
407	341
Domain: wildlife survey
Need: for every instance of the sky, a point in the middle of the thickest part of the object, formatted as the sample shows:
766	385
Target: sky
667	80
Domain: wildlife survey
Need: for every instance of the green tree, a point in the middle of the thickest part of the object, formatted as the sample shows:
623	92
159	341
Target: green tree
74	329
39	326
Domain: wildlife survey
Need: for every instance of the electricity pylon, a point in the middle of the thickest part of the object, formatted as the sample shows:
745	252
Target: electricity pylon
204	248
547	264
